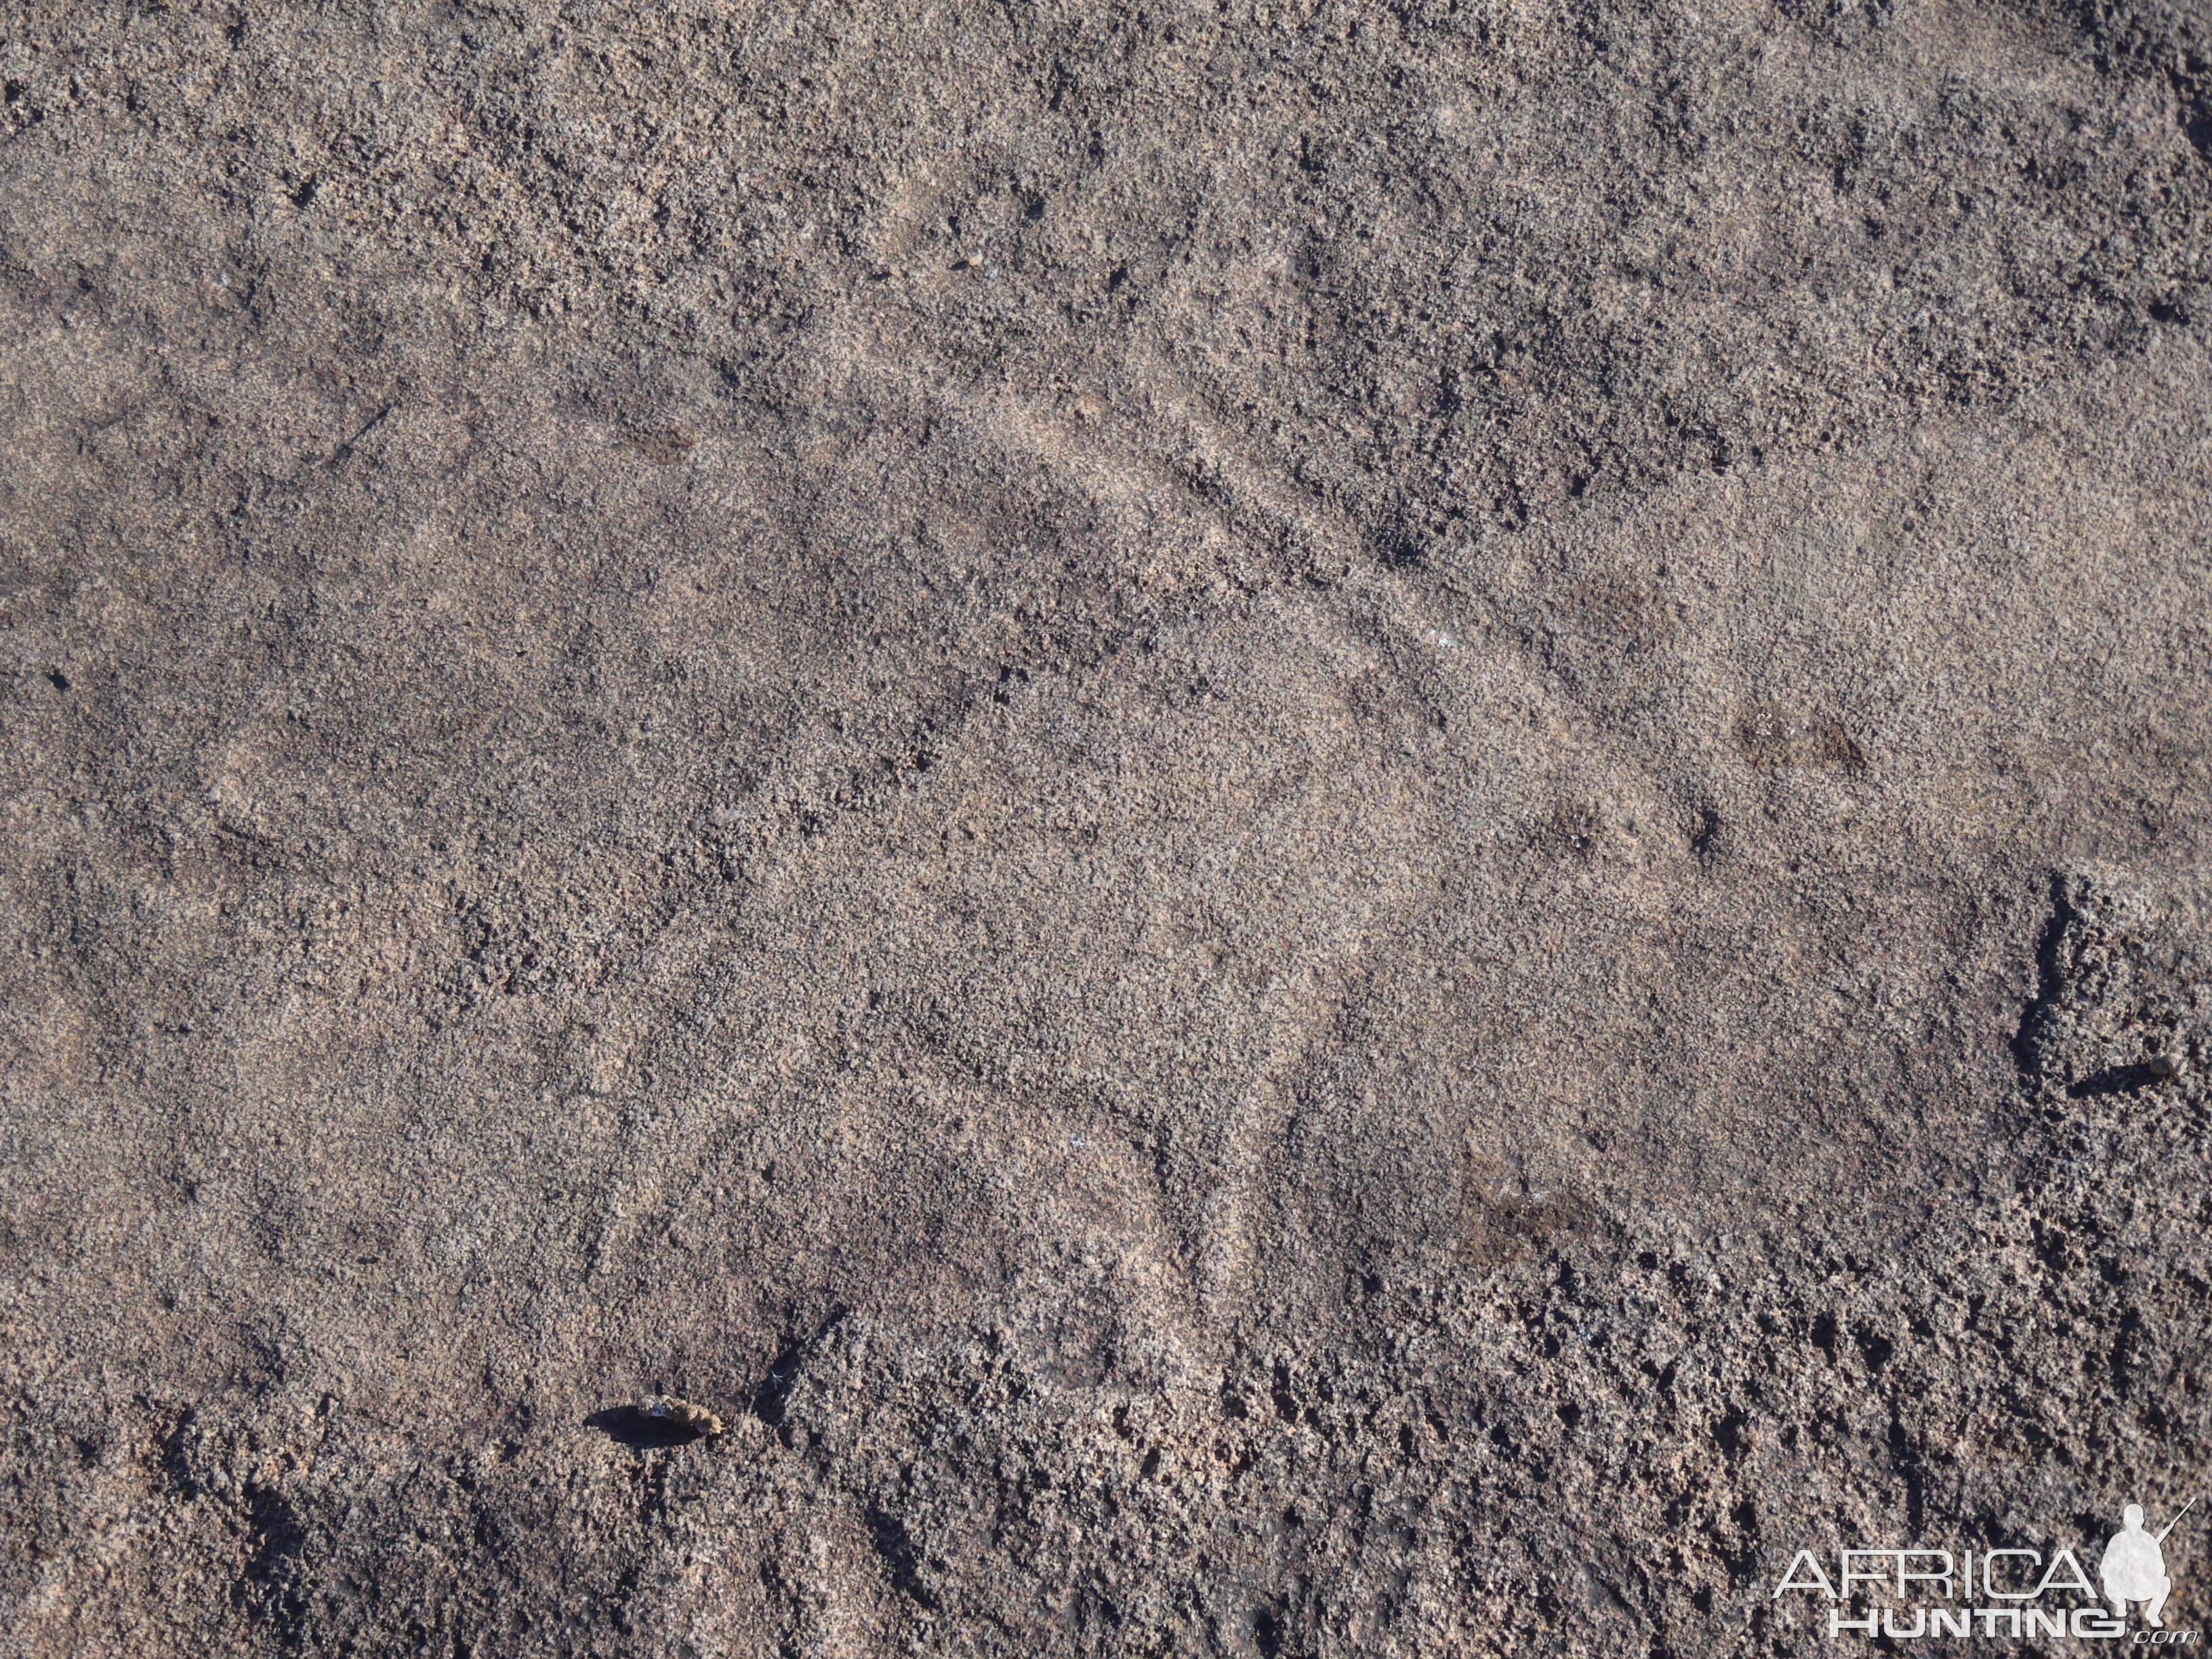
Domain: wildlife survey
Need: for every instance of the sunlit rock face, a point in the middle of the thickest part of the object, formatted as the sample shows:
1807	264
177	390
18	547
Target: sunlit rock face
1290	829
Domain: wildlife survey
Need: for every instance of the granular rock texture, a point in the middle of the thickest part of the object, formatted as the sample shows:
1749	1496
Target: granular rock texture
1299	829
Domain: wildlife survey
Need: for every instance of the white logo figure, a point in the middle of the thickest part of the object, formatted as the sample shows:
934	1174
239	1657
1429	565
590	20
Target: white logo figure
2134	1567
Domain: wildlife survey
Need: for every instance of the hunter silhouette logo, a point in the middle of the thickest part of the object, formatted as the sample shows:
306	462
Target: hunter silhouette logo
2000	1592
2134	1567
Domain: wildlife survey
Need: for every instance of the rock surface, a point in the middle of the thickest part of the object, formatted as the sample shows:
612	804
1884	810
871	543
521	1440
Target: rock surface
1303	829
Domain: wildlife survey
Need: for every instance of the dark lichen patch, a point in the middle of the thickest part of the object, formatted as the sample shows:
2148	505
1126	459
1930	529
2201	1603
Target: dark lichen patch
1631	609
1575	830
1777	737
663	446
1504	1220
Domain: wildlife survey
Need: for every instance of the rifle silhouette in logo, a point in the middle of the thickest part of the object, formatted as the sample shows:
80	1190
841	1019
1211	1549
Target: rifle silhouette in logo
2134	1566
